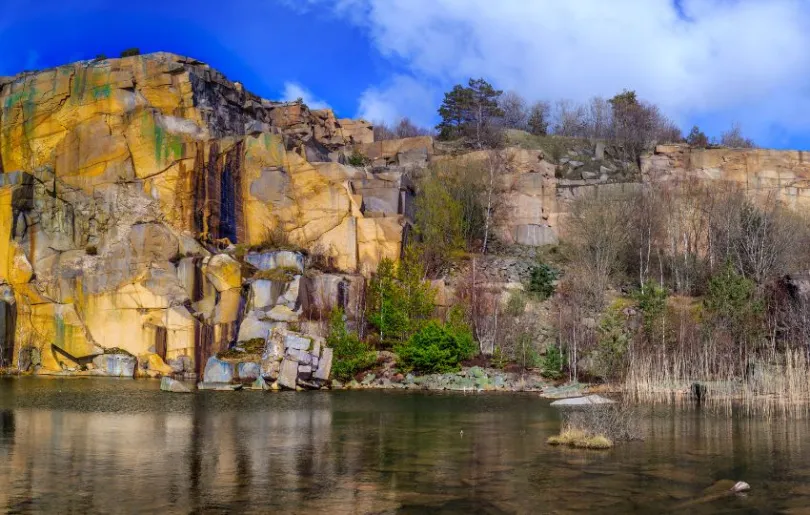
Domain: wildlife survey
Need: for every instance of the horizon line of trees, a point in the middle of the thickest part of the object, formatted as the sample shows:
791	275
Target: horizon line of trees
480	114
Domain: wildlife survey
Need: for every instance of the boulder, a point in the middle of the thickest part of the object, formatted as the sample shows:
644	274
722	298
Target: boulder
259	384
282	313
304	372
324	365
224	272
181	364
153	362
271	368
167	384
252	328
296	341
288	374
248	371
116	365
218	371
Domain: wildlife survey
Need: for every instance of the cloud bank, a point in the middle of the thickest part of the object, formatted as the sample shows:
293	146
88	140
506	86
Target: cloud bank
709	60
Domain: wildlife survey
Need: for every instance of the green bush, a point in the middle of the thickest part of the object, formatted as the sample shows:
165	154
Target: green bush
612	342
398	300
551	365
350	355
437	348
129	52
541	281
358	159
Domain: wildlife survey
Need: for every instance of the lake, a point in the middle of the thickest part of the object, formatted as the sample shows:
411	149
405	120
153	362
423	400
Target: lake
123	446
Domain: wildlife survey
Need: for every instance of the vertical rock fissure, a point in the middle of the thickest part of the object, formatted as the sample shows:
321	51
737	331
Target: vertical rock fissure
8	319
212	193
198	190
161	340
203	346
231	219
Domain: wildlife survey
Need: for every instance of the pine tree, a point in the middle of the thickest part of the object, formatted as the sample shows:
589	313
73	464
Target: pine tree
469	112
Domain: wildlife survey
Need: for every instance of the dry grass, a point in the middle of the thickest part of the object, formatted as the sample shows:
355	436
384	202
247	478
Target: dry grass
774	385
580	440
282	275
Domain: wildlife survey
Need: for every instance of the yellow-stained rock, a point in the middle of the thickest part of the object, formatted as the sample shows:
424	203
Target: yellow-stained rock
153	362
224	272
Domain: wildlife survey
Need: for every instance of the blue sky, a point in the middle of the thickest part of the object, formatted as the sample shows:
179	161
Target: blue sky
711	62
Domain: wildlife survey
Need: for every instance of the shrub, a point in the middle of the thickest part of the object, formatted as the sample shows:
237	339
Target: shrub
399	300
358	159
437	348
541	281
282	274
613	341
100	57
129	52
350	354
552	363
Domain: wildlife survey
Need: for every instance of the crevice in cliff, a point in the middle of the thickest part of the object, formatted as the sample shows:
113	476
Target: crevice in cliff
8	326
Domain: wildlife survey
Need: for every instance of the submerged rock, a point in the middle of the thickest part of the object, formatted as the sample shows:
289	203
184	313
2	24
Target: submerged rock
589	400
740	486
222	387
167	384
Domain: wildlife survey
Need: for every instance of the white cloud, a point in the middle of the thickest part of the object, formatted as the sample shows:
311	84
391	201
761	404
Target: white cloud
723	60
294	91
402	96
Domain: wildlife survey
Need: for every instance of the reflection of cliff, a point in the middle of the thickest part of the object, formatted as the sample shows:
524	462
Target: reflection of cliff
357	452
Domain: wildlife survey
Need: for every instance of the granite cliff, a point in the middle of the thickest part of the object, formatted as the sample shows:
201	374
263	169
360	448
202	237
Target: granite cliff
153	211
123	179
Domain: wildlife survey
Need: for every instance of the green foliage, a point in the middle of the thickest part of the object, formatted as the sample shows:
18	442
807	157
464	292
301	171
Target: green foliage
551	365
498	358
612	343
358	159
652	302
732	303
284	274
541	281
101	57
467	112
399	300
539	119
438	225
515	304
697	138
350	354
129	52
437	348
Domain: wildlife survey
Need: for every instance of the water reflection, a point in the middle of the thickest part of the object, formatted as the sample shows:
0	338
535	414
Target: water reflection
123	446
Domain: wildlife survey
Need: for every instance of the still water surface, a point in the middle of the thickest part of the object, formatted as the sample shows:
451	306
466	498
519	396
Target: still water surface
118	446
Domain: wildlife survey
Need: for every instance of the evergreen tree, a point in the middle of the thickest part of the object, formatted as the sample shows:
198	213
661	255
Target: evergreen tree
539	118
469	112
697	138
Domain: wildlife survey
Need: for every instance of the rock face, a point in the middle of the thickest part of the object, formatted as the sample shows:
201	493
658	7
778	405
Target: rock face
122	179
758	171
150	204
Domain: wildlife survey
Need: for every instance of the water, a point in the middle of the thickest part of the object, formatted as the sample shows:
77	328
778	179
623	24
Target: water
118	446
